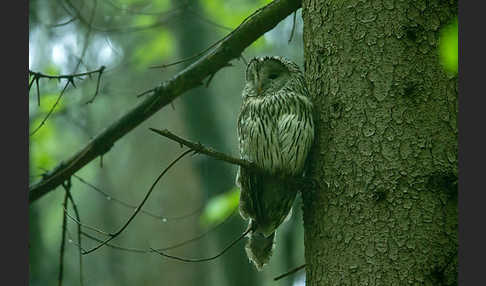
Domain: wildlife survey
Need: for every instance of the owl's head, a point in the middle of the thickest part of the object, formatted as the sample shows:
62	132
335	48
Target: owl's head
267	75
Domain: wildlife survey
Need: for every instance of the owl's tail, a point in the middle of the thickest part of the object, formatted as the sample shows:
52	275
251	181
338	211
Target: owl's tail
259	248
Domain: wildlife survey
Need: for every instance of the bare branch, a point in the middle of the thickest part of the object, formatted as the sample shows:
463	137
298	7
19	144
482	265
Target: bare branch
293	27
264	20
205	20
114	246
146	92
130	206
63	243
62	24
67	187
38	91
206	50
97	85
70	80
290	272
199	148
95	229
182	243
207	258
86	37
174	246
67	76
52	108
31	81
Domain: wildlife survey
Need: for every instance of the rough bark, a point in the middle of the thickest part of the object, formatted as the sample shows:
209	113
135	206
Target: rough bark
385	210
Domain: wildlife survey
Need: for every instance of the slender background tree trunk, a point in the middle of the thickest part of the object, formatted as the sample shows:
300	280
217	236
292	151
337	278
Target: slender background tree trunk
199	109
385	210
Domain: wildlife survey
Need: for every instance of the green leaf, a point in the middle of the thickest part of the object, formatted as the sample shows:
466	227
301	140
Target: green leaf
448	47
220	207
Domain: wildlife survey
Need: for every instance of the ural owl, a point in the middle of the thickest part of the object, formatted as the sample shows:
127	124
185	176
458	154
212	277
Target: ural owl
275	132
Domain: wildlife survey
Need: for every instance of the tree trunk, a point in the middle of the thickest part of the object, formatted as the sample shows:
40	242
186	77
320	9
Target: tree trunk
199	108
385	209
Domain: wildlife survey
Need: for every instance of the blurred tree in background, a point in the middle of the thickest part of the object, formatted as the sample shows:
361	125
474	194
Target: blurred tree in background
128	37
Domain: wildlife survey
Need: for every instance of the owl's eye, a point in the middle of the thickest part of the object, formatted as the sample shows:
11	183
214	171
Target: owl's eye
273	76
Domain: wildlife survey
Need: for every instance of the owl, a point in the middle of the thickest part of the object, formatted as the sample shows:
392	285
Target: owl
275	132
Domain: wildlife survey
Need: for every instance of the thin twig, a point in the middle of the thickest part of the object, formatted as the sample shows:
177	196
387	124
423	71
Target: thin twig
292	271
199	148
204	19
174	246
97	85
70	80
52	108
63	242
90	25
88	34
182	243
95	229
206	50
130	206
31	81
212	75
137	210
157	13
61	24
70	77
114	246
66	76
146	92
207	258
38	91
293	27
195	56
67	188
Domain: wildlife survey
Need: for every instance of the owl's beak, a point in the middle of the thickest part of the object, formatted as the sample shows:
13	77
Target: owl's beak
259	87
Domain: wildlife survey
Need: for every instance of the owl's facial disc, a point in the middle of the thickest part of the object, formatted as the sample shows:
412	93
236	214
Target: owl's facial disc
269	74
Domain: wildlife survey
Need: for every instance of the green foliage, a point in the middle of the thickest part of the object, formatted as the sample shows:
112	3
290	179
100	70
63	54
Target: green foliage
47	101
448	47
52	69
231	13
220	207
160	47
44	145
154	5
46	141
144	20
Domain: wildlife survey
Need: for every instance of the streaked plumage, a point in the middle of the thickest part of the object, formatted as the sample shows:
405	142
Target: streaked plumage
275	131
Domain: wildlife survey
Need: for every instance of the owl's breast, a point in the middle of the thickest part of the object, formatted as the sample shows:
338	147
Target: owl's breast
274	135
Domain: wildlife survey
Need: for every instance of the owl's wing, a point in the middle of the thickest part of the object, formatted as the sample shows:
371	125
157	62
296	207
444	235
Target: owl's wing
250	186
244	177
295	133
